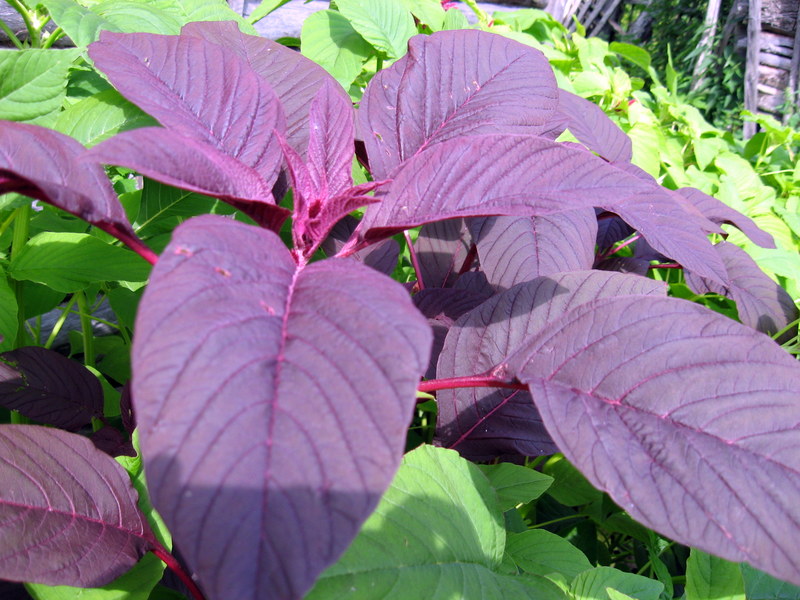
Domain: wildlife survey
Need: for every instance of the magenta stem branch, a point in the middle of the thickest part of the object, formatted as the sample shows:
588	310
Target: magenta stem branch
176	568
469	381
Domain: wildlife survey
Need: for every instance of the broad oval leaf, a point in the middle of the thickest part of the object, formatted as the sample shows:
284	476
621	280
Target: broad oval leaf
441	248
68	511
484	423
694	430
294	78
437	534
762	303
386	25
49	388
314	366
515	250
473	82
592	127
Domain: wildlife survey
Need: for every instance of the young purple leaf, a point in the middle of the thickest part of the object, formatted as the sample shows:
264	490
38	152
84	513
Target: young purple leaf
483	423
587	122
294	78
693	429
762	303
49	388
472	82
69	513
514	250
44	164
313	366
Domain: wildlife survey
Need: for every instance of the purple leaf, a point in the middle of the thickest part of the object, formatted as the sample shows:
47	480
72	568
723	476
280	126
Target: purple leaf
68	511
481	423
514	250
198	90
442	306
219	118
610	230
506	174
587	122
44	164
441	248
472	82
313	366
381	256
625	264
49	388
762	303
111	441
720	213
293	77
692	429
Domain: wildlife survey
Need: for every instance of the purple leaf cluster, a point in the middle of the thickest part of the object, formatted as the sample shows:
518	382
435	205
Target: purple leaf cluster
273	392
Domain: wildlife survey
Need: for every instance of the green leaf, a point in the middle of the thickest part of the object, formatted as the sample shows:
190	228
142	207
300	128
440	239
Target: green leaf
163	207
436	534
638	56
591	585
760	586
329	40
8	315
263	9
82	25
33	83
591	83
136	584
100	117
68	262
454	19
383	23
712	578
429	12
570	487
515	484
540	552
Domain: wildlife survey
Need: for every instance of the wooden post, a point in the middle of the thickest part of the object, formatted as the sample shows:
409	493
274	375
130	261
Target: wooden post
793	71
706	40
751	69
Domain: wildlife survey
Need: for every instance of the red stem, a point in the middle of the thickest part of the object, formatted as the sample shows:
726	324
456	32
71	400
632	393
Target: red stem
414	260
667	266
467	382
176	568
469	259
612	250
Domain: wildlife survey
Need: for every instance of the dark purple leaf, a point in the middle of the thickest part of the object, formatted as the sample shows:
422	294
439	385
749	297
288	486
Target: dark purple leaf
442	306
610	230
44	164
293	77
68	513
381	256
49	388
452	84
625	264
692	429
126	409
762	303
481	423
720	213
513	250
298	393
112	441
441	248
587	122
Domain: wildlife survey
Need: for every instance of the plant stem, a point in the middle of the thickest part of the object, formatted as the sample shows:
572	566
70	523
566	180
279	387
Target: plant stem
611	251
86	329
19	238
176	568
469	259
414	260
469	381
558	520
59	323
11	36
33	32
57	34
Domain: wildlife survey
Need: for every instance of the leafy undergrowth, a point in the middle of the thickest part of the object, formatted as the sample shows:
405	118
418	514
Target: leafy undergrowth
437	346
